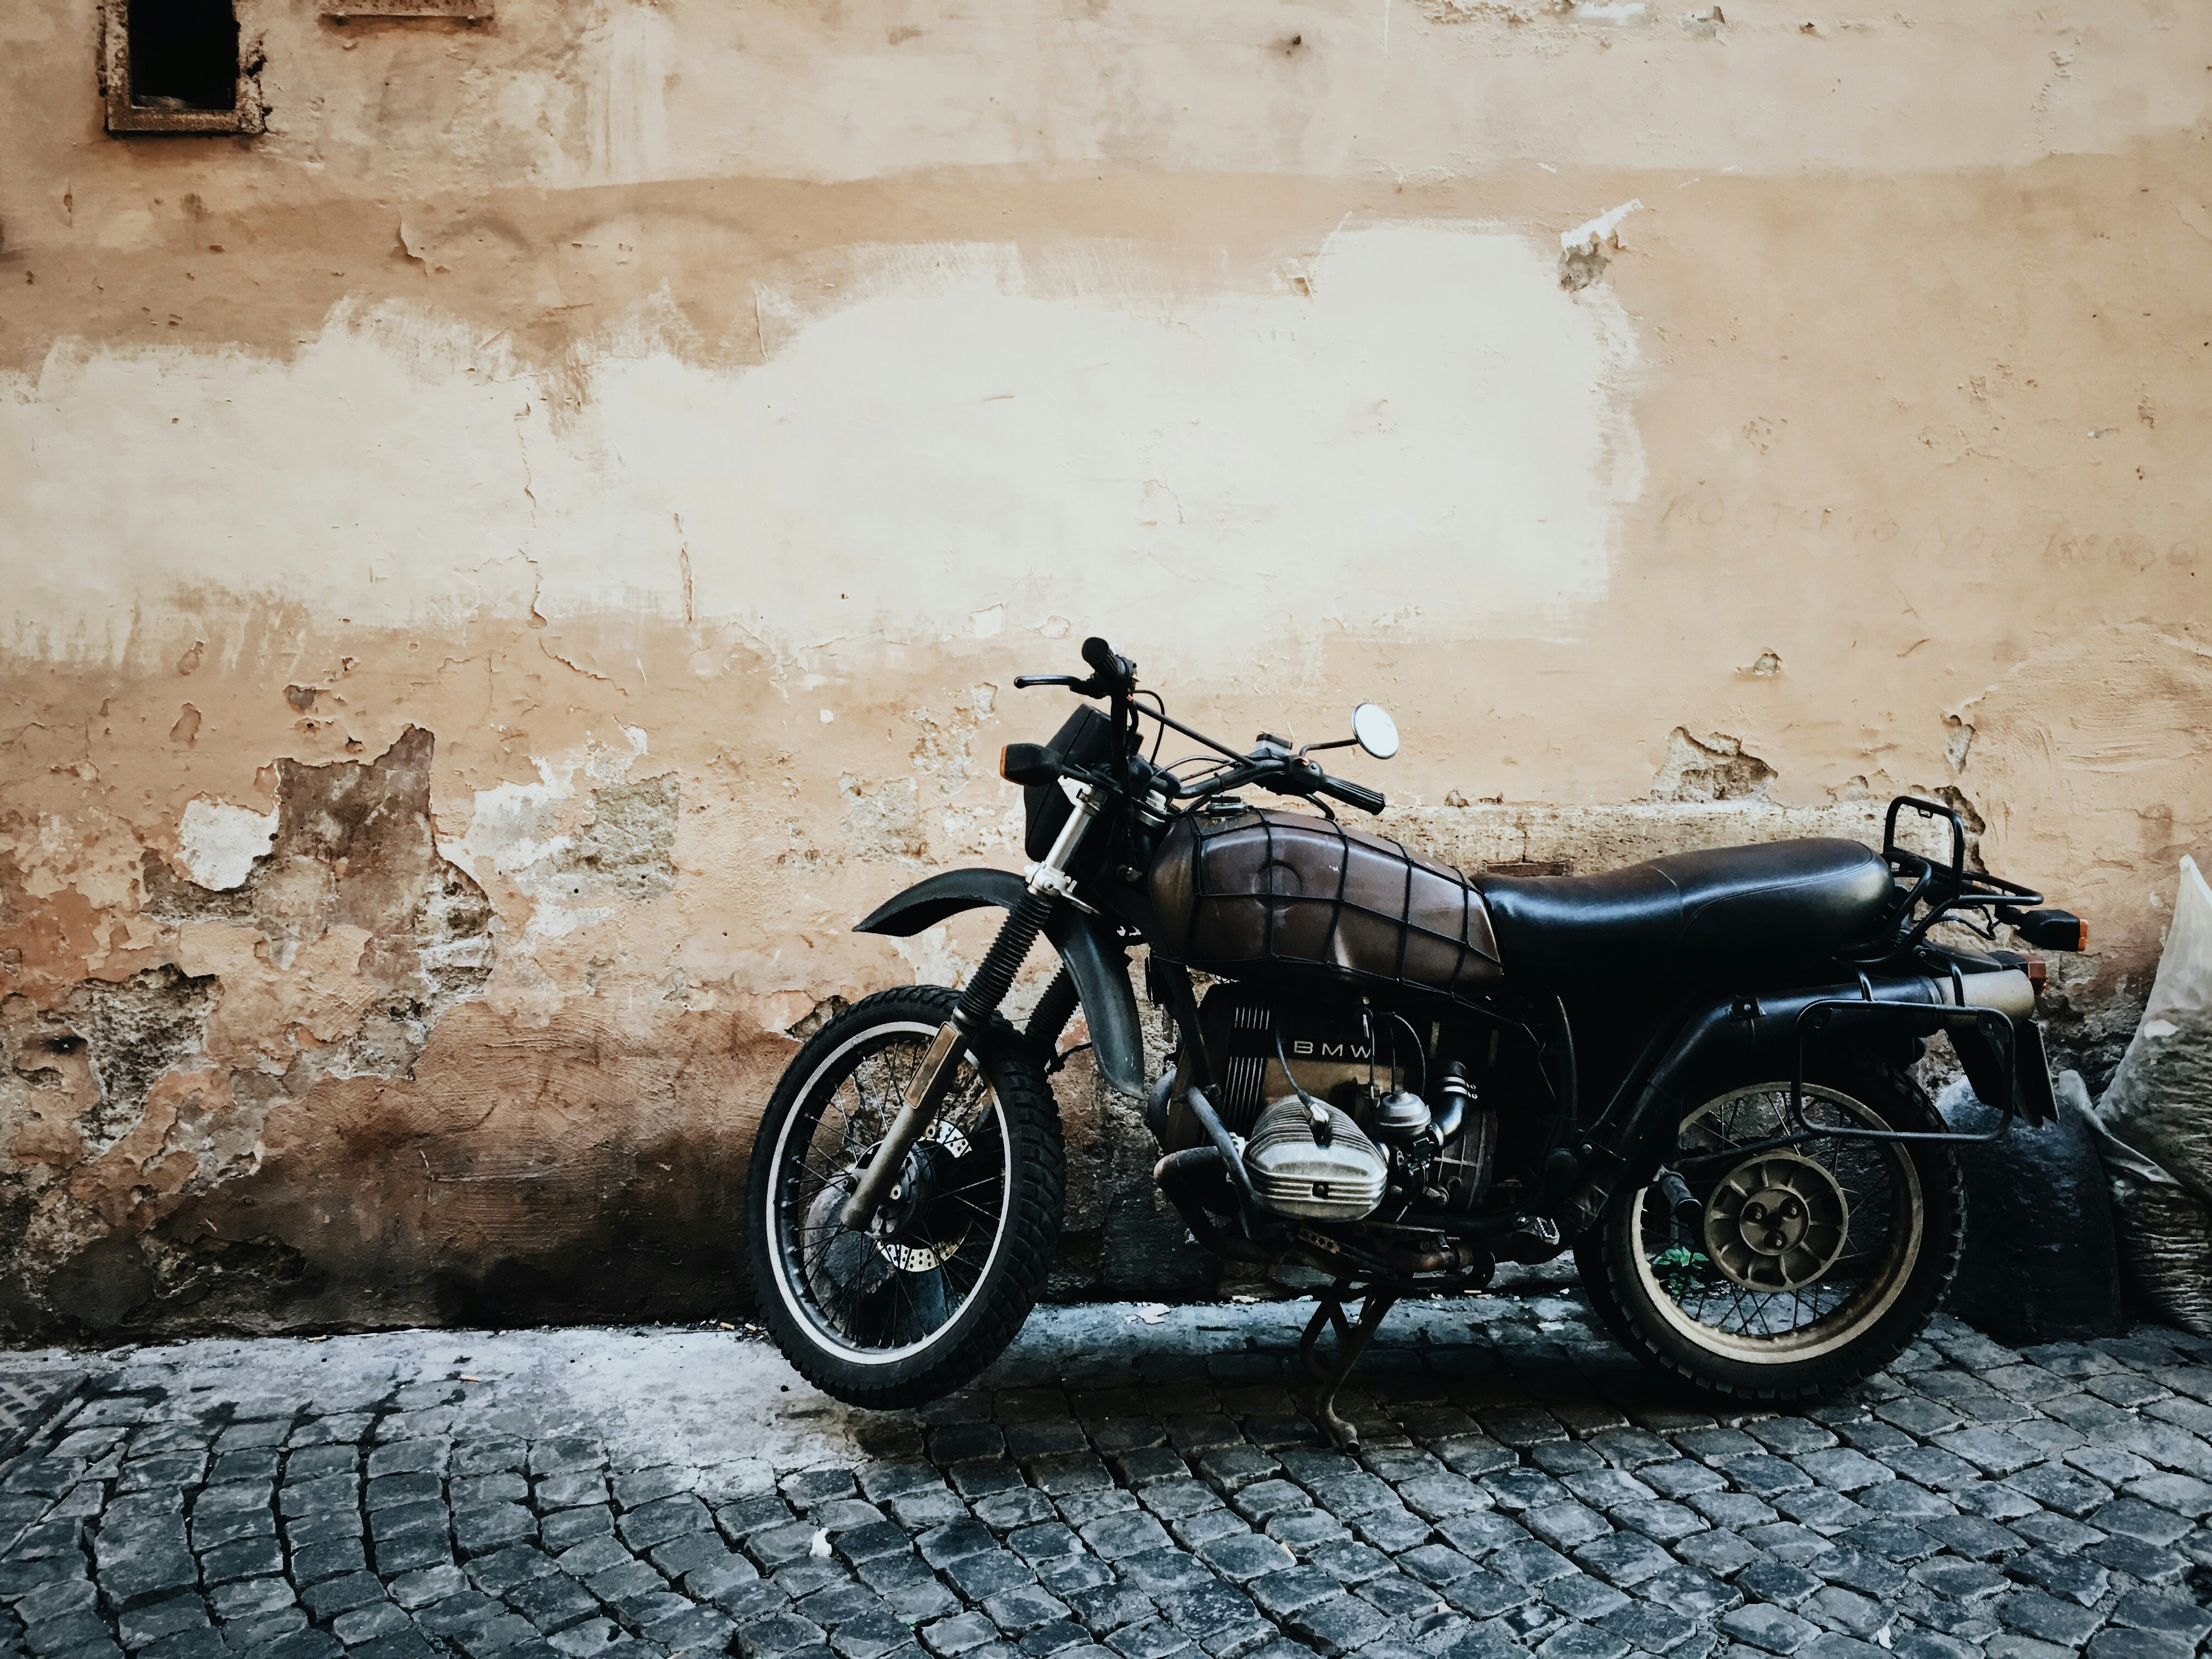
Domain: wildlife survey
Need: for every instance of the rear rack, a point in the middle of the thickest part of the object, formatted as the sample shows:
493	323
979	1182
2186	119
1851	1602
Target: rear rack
1937	891
1822	1018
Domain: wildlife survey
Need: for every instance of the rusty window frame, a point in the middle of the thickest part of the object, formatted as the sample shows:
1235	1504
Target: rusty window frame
467	11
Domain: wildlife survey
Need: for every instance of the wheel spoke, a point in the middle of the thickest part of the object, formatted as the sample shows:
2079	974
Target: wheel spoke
1847	1197
872	1296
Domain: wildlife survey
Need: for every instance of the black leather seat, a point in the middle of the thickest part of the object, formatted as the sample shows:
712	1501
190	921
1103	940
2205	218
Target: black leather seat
1728	909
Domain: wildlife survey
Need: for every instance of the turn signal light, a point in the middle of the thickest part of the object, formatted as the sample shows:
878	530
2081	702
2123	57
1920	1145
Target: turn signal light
1027	763
2049	930
2055	930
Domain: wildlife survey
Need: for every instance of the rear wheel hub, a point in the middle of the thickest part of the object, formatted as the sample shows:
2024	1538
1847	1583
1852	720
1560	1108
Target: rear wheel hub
1776	1223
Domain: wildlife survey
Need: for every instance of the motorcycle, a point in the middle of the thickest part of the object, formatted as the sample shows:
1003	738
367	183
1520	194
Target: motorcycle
1692	1072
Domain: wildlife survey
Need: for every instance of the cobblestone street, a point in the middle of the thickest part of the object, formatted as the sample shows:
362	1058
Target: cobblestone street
1129	1479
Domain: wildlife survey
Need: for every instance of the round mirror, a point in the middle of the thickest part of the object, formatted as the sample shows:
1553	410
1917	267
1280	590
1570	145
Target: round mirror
1376	731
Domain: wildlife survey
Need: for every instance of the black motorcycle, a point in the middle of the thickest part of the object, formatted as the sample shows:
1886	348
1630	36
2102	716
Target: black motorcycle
1692	1072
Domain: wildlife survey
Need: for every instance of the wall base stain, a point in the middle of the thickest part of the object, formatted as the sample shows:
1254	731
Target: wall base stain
701	463
335	958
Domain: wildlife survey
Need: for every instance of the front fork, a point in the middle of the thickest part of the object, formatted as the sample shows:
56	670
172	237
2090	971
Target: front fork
1048	883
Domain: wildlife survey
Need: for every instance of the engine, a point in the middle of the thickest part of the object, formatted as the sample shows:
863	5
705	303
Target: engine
1312	1162
1332	1132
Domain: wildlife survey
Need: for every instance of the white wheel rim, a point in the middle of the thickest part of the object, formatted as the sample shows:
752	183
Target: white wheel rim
799	1306
1829	1331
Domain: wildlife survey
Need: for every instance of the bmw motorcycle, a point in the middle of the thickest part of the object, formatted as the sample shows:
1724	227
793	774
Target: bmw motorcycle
1692	1072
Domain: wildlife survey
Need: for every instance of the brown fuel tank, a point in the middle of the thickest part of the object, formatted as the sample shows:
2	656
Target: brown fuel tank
1261	894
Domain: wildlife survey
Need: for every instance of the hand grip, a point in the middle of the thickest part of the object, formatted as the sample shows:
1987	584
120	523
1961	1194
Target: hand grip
1111	674
1354	794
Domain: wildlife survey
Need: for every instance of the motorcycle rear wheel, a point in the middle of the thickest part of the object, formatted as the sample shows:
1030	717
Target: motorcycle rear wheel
1812	1267
884	1320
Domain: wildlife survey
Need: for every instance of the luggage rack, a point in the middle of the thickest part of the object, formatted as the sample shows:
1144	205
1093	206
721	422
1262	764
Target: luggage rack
1913	1020
1946	890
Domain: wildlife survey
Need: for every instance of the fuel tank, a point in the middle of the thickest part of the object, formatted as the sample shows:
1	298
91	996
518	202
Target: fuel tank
1297	900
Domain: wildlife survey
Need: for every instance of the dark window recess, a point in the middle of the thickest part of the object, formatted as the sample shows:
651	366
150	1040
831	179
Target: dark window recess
183	55
177	66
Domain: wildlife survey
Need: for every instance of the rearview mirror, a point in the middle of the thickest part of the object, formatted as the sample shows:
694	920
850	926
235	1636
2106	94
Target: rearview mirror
1375	731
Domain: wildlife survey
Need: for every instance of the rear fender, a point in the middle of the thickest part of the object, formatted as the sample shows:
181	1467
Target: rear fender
1094	958
2030	1071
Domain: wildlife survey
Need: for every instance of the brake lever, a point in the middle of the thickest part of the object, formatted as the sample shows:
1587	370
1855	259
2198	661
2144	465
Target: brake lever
1086	687
1234	777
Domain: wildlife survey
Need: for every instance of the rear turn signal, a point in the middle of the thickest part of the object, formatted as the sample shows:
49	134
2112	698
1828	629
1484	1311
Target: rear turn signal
2052	930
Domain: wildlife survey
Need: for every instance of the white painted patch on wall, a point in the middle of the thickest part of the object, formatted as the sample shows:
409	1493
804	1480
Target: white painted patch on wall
524	832
217	843
382	447
1196	470
1615	14
1585	237
932	957
1423	436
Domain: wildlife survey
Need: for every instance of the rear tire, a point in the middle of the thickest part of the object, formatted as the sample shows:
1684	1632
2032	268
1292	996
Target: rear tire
1759	1304
886	1323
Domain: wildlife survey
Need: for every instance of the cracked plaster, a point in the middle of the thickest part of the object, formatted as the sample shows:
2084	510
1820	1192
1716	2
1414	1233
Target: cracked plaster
585	439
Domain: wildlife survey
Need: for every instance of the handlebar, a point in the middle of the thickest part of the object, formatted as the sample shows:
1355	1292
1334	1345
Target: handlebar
1115	676
1281	775
1299	777
1111	675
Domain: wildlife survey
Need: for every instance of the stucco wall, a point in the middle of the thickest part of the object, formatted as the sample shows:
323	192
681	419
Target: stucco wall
503	566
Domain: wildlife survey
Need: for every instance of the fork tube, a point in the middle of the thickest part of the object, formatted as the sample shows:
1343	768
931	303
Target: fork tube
1054	1010
1048	885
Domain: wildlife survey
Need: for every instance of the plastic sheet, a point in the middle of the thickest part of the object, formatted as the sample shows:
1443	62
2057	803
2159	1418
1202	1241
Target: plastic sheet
2154	1126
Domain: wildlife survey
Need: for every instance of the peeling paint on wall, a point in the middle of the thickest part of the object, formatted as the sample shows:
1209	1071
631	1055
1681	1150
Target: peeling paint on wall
1717	769
696	417
621	850
217	843
334	955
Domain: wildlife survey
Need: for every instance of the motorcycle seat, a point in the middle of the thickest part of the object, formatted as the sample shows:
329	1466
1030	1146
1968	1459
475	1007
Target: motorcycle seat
1725	910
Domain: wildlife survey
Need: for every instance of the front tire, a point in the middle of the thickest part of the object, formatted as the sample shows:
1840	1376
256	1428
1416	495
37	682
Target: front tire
898	1316
1810	1267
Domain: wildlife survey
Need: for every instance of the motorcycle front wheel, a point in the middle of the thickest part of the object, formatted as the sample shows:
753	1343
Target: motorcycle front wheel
933	1292
1810	1266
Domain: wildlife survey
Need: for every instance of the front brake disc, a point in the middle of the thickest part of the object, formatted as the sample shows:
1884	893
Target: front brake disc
923	1255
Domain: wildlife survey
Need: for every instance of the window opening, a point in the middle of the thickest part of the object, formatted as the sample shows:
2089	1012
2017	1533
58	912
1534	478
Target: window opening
183	55
179	66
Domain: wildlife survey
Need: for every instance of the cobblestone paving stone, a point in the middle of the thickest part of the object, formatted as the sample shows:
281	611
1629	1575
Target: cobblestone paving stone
1116	1488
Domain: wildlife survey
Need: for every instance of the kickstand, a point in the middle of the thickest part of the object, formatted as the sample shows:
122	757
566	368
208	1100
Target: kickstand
1321	1400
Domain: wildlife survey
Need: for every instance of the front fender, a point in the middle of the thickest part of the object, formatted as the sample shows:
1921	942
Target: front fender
1094	959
